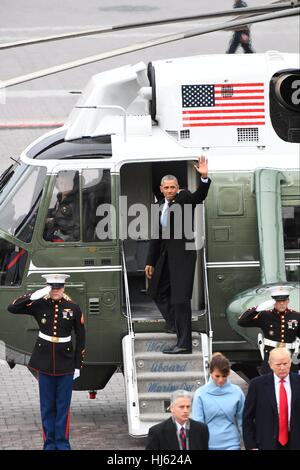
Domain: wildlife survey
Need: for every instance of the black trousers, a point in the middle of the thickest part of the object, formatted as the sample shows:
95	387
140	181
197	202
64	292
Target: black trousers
177	316
236	40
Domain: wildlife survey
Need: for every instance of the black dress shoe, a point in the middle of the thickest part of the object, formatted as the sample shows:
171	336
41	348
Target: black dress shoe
177	350
167	349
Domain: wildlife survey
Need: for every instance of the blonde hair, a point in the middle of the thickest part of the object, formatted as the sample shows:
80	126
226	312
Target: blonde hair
279	352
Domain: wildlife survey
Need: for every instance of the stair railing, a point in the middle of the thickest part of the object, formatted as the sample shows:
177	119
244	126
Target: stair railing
127	297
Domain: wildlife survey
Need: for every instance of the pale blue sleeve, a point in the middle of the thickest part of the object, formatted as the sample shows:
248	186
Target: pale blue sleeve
197	408
239	411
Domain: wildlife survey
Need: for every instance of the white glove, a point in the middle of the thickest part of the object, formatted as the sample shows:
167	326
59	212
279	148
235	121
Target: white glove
38	294
76	374
265	305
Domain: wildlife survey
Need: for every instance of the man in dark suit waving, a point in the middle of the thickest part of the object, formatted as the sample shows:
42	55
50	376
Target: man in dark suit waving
171	259
272	408
178	432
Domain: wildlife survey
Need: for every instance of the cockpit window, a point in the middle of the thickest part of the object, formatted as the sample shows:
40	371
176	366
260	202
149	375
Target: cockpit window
12	264
19	202
80	207
63	218
96	205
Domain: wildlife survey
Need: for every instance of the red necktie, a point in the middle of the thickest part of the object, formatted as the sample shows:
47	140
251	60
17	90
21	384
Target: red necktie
182	438
283	415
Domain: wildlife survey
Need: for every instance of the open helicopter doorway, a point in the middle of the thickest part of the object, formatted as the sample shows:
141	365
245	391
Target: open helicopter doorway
139	189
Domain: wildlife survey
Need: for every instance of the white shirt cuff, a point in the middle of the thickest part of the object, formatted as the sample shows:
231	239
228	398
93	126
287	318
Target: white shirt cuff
204	180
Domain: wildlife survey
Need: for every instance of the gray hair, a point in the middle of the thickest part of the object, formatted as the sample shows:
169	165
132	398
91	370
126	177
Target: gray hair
168	177
180	394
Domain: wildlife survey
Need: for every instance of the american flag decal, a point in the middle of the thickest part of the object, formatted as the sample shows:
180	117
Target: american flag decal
230	104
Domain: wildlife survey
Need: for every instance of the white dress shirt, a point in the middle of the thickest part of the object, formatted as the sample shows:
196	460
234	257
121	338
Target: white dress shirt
287	386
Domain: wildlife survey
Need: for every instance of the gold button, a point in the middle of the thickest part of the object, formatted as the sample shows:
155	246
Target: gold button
54	332
55	321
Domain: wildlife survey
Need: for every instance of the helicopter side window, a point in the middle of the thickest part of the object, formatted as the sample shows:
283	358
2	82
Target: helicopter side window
63	218
20	206
12	264
291	227
96	202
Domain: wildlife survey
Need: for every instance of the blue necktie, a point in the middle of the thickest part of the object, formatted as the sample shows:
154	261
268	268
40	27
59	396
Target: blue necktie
164	216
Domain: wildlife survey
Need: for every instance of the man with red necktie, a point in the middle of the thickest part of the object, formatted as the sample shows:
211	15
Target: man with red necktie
271	418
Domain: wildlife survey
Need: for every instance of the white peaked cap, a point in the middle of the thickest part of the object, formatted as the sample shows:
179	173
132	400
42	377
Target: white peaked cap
56	279
280	291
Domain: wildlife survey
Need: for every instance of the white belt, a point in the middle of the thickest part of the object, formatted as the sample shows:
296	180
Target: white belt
278	344
54	339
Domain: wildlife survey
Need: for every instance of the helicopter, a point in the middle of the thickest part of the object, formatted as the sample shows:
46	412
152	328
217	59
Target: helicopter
131	126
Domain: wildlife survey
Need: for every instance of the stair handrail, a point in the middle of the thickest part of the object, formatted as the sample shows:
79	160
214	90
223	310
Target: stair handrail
127	297
206	292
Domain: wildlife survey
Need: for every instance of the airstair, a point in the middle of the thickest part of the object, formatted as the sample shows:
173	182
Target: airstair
151	376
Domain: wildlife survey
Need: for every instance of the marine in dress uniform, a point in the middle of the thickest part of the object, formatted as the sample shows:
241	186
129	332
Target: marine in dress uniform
56	362
280	326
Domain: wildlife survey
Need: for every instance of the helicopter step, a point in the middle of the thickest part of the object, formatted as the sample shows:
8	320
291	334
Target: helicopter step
151	376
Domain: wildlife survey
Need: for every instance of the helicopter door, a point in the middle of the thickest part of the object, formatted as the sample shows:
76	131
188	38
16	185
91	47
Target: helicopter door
140	187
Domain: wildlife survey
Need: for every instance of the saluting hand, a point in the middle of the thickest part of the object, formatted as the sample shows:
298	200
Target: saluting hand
202	166
265	305
38	294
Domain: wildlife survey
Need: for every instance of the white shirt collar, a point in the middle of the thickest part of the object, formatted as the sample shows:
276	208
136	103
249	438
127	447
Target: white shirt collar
179	426
286	379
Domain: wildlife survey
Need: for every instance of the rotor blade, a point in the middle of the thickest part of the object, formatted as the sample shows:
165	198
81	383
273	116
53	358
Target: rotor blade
109	29
145	45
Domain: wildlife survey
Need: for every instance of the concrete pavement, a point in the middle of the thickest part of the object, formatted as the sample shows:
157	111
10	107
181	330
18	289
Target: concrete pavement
99	424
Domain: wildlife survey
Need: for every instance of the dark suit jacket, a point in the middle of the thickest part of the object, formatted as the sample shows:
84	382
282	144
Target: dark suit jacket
260	420
163	436
181	260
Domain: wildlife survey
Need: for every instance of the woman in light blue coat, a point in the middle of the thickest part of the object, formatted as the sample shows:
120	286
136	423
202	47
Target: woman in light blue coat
220	405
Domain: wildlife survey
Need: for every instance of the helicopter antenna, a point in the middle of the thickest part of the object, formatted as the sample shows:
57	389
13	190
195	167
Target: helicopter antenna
280	5
145	45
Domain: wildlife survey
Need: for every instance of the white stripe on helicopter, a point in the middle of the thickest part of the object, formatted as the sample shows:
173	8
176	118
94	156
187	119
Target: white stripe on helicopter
67	269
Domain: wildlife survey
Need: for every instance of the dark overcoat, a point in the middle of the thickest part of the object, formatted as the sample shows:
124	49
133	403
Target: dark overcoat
176	246
54	318
260	419
163	436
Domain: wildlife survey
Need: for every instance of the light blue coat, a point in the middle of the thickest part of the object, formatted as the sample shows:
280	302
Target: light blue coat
221	408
